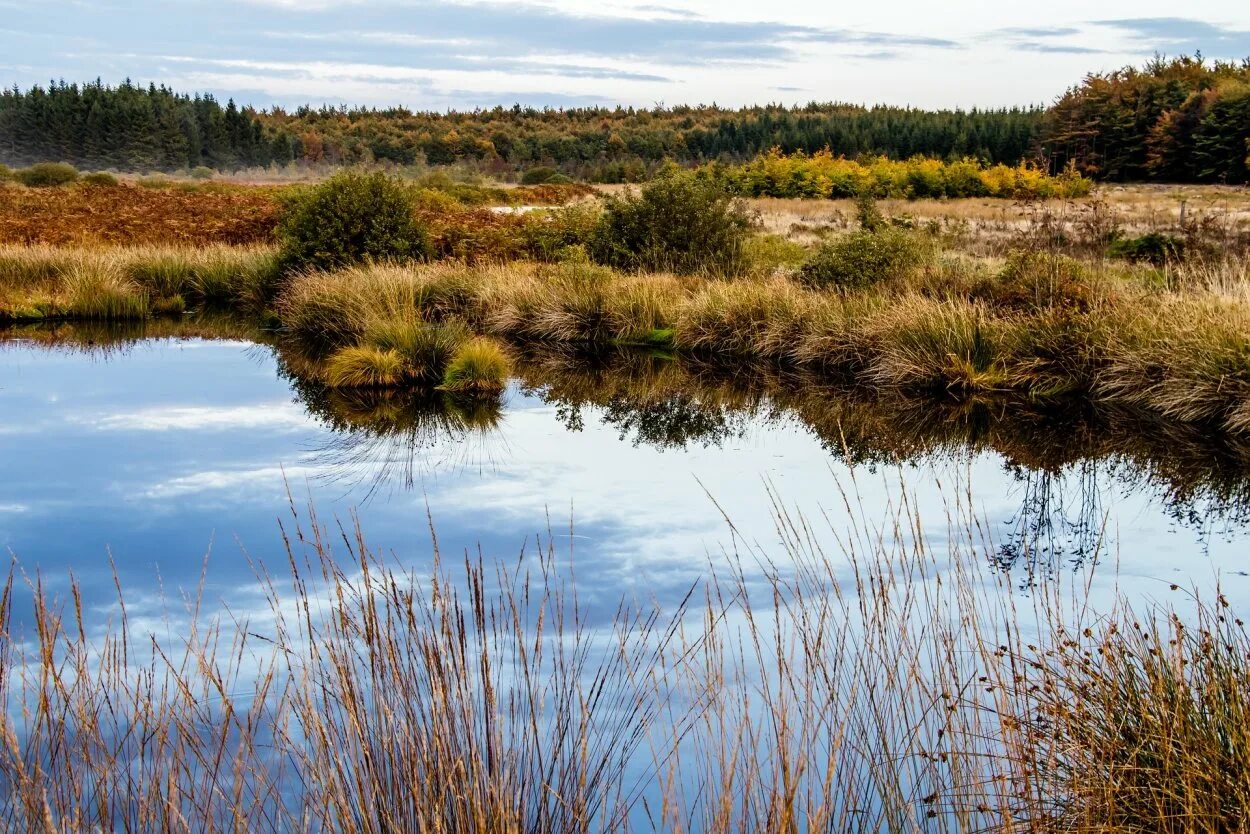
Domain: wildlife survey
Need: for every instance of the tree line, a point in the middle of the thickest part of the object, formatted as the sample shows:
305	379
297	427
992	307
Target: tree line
623	142
1183	119
129	127
1174	120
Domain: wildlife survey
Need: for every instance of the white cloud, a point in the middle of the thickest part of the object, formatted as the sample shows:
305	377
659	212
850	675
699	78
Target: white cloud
281	415
239	480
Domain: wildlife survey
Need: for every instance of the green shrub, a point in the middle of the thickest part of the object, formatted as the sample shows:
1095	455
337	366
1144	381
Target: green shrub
99	178
868	215
549	235
202	172
47	174
679	222
350	218
541	175
6	173
1154	248
864	258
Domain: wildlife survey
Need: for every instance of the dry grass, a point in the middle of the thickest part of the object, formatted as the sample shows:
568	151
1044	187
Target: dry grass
1042	326
1136	723
1187	358
872	687
987	226
337	309
576	303
41	282
364	367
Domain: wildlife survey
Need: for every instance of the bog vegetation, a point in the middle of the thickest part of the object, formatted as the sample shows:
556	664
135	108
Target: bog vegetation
386	281
361	698
877	699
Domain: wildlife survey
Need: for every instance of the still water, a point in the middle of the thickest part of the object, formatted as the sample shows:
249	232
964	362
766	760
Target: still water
164	458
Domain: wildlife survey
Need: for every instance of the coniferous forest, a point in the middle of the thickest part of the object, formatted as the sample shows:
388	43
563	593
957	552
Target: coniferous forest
129	127
1173	120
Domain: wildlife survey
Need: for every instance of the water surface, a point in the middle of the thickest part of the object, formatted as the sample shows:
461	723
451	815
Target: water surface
156	457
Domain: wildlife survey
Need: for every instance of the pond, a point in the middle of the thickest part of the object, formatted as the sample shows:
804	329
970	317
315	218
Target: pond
176	463
160	458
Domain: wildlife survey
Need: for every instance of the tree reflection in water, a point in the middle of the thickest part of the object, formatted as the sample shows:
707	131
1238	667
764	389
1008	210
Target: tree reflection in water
1065	456
1061	522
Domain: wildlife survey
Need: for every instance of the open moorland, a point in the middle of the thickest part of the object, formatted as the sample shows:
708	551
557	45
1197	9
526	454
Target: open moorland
987	350
1131	296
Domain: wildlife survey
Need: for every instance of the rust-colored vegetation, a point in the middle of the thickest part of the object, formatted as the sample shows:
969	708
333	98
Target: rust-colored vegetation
135	215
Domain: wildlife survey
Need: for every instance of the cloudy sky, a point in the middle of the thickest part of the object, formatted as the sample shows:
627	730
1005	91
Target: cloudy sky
439	54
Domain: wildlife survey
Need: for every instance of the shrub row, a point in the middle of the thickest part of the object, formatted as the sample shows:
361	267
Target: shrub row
680	222
825	176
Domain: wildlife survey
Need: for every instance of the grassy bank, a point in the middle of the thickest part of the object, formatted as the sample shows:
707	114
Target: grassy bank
39	283
848	691
1035	329
1170	342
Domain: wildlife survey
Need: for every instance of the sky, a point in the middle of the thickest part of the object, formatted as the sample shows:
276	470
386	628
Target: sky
465	54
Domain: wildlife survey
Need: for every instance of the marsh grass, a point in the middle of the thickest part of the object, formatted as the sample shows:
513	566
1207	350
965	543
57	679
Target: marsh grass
1170	341
1185	358
101	291
741	317
387	703
240	276
479	366
863	685
337	309
364	367
940	346
1139	723
426	348
1042	326
39	282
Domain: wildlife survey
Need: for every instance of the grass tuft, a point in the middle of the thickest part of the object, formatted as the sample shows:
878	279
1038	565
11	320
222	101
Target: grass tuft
363	367
478	366
99	290
426	348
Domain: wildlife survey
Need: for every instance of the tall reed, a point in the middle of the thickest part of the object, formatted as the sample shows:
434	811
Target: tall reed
859	683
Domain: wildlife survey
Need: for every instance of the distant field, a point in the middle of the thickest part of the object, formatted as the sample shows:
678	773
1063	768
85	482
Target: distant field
168	211
235	212
996	222
134	215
